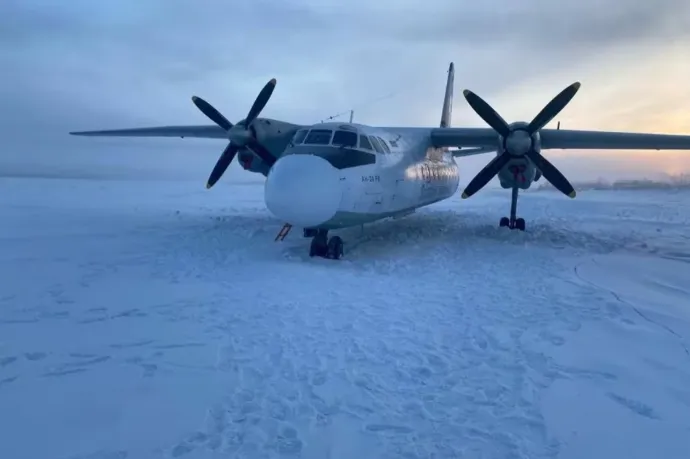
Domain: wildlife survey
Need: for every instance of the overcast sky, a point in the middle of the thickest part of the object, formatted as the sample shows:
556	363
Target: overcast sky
85	64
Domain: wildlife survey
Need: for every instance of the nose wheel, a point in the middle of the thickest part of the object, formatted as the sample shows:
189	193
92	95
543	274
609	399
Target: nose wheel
513	222
323	247
518	223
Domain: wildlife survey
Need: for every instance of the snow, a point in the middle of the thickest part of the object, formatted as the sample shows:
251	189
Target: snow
159	319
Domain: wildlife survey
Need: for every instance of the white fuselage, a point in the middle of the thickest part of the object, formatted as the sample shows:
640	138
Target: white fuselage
313	186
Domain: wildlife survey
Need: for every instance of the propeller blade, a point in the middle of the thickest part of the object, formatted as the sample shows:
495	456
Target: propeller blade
261	101
485	175
552	174
222	164
238	138
213	114
553	108
488	114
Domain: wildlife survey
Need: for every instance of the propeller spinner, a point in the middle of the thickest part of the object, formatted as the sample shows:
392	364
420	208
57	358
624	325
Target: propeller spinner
240	135
520	140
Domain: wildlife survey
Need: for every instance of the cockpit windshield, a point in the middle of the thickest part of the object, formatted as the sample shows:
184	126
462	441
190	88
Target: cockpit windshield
299	137
364	142
343	136
319	137
345	139
375	143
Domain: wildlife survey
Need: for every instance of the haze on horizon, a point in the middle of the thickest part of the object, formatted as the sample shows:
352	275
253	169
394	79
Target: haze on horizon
83	65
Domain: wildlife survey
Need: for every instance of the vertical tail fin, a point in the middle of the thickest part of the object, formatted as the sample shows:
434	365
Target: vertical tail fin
448	98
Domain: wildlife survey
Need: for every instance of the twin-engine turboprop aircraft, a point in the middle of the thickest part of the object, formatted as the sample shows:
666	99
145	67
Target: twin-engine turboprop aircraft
336	175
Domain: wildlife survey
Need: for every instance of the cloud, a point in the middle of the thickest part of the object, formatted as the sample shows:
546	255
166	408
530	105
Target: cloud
120	63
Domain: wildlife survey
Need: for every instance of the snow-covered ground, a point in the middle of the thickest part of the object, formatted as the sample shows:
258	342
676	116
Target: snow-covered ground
159	319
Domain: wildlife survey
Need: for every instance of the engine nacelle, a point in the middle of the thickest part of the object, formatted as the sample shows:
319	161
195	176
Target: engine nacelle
274	135
518	172
252	162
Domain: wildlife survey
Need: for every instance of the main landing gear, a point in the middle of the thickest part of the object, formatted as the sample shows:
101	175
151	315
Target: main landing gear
513	222
323	247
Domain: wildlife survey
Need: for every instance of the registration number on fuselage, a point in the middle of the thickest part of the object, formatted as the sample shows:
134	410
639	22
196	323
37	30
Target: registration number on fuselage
371	178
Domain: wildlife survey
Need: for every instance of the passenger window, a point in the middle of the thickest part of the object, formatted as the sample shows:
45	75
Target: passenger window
376	144
345	138
299	137
384	144
364	142
319	137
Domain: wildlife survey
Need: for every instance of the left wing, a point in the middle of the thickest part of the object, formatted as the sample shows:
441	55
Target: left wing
564	139
203	132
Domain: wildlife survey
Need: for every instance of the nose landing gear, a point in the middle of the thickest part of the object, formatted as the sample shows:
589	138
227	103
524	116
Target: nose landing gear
513	222
323	247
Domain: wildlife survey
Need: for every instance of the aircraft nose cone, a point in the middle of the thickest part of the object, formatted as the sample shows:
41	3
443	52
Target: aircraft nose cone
303	190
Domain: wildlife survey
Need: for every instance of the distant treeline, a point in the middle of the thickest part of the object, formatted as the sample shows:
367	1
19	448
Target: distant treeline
673	183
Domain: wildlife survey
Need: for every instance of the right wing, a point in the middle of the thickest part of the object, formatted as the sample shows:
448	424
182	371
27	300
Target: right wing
203	132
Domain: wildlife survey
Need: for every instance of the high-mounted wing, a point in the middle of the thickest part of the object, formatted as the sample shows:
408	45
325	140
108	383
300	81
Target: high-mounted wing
527	138
471	151
202	132
240	135
552	139
463	137
602	140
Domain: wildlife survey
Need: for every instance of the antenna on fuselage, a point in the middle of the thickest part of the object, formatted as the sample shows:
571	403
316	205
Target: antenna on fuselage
370	102
338	115
352	115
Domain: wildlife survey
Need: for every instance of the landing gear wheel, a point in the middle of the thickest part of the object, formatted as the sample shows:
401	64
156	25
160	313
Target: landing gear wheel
520	224
319	245
513	222
335	248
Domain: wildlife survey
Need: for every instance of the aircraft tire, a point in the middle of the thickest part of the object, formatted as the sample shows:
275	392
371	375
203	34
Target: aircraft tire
335	248
319	246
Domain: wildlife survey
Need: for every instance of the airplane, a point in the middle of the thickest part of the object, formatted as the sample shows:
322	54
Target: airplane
333	175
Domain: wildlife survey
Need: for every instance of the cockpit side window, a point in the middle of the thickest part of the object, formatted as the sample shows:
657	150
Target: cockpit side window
345	138
384	144
319	137
364	142
376	144
299	137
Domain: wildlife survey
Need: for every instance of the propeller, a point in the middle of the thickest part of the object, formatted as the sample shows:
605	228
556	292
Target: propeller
240	135
519	140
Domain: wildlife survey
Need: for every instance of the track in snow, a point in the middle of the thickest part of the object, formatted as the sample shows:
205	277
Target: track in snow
159	320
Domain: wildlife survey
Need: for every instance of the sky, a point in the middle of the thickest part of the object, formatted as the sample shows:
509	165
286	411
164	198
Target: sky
84	64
